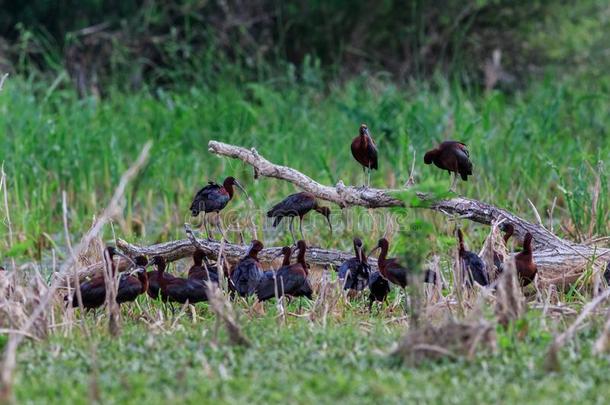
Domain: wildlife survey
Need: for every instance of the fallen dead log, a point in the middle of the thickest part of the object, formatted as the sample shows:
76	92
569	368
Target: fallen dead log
178	249
559	261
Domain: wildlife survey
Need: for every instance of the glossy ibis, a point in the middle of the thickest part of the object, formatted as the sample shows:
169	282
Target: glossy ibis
131	286
246	275
298	204
524	262
354	272
471	264
364	151
213	198
509	230
266	287
294	277
393	271
93	291
453	157
153	276
291	279
177	289
202	270
379	288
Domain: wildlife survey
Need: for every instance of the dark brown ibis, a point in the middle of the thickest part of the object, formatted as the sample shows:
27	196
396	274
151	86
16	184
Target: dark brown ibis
298	204
452	156
473	268
130	285
213	198
266	288
246	275
389	268
392	270
379	288
93	291
291	279
177	289
355	272
153	277
201	269
364	151
509	230
524	262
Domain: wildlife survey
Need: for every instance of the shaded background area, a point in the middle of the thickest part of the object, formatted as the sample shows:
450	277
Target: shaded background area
131	44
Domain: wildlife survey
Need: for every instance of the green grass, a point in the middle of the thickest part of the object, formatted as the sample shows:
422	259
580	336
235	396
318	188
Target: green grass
542	143
346	361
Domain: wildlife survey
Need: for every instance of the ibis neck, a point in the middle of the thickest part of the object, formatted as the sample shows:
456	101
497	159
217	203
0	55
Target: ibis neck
381	262
301	259
229	187
143	277
286	261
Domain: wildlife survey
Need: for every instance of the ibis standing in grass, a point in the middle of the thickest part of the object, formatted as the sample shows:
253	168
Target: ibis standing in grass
177	289
452	156
93	291
524	262
473	268
291	279
354	272
202	270
246	275
214	198
364	151
294	205
131	286
390	268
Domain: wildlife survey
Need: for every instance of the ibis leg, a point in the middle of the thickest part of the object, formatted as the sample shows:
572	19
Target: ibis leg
205	225
453	182
368	184
363	177
301	227
219	227
292	230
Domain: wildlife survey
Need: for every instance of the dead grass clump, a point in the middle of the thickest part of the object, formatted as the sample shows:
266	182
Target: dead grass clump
451	340
510	302
222	308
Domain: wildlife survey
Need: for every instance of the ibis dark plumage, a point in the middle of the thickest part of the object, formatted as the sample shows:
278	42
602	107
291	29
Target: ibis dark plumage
390	268
214	198
291	279
153	277
379	288
246	275
93	291
364	151
452	156
202	270
266	288
524	262
298	204
131	286
473	268
355	272
177	289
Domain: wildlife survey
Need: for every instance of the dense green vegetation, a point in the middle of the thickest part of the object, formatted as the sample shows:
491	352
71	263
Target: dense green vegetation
295	82
541	144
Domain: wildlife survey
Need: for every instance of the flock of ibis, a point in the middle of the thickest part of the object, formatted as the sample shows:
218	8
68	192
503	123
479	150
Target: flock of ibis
291	279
